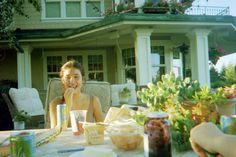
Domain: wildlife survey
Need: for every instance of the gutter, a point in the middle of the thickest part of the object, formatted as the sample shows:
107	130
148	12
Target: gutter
17	45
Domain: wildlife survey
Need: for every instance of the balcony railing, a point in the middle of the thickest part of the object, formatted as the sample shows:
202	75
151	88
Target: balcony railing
207	10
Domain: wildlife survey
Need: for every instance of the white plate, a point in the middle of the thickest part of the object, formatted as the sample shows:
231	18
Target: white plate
81	154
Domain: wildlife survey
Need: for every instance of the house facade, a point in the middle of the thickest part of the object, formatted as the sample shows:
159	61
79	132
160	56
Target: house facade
136	46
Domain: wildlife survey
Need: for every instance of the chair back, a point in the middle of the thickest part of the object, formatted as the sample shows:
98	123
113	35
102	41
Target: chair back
96	88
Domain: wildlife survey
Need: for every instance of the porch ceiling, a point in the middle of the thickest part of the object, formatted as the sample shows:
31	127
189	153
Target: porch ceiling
117	29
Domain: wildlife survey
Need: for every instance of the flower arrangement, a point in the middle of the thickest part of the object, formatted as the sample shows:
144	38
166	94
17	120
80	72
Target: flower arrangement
172	6
21	116
227	92
227	96
120	8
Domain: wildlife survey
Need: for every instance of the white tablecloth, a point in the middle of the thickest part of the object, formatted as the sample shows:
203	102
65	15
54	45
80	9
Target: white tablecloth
66	140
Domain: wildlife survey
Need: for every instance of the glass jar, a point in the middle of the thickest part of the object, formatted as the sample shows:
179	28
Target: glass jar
157	135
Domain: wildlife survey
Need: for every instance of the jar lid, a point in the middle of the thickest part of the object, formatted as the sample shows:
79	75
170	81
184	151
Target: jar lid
157	114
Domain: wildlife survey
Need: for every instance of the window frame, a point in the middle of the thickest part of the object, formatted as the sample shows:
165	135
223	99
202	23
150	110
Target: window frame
63	9
128	67
159	65
74	53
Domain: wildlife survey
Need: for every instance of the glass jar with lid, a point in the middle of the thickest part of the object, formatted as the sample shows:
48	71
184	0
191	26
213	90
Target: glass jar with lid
157	135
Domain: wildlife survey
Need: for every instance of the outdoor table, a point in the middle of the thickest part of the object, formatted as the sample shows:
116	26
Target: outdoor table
66	140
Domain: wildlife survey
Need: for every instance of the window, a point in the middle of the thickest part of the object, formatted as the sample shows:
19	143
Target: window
129	65
73	9
93	9
177	63
54	9
158	62
95	67
93	63
77	58
54	64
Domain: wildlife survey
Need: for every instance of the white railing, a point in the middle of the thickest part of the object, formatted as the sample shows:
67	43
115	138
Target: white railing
207	10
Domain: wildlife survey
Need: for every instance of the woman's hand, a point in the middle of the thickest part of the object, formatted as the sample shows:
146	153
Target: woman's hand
71	95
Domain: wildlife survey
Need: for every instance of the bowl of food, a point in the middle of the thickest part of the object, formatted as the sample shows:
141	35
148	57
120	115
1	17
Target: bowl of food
125	135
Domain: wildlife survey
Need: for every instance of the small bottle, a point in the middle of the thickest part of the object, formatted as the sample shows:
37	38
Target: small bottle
62	116
157	135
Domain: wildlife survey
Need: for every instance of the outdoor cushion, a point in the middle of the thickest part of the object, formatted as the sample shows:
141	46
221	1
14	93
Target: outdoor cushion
115	88
27	99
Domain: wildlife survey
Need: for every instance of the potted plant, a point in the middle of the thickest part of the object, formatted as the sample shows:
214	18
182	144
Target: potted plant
228	100
20	119
168	95
124	95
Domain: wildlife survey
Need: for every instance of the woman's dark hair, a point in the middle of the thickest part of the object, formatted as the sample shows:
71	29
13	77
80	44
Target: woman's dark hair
72	64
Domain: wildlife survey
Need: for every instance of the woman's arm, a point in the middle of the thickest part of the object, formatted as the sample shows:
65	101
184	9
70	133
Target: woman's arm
98	115
226	145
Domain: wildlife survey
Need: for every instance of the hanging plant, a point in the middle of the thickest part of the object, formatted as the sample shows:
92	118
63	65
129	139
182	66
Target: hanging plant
215	53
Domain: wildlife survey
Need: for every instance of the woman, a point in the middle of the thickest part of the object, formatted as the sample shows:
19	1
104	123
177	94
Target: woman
72	79
207	137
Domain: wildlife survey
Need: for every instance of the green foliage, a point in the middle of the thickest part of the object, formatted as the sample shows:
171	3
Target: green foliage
188	88
21	116
169	95
214	74
165	96
230	74
8	9
205	97
226	77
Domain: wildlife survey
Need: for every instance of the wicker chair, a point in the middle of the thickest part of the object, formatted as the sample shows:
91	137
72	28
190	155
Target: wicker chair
11	107
97	88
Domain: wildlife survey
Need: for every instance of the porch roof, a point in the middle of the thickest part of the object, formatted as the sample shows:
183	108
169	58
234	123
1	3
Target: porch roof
131	19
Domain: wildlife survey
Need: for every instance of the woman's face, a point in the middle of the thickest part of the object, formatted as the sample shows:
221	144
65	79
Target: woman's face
72	78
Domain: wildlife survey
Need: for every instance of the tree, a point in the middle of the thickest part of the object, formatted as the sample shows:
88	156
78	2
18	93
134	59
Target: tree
230	74
7	10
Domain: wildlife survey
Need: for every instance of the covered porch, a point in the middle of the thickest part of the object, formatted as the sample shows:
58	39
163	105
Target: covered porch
140	47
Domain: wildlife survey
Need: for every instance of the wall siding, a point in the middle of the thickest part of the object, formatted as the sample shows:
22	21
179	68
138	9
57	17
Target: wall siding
35	22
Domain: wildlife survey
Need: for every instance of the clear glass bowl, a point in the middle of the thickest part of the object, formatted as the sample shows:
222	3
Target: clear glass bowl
126	135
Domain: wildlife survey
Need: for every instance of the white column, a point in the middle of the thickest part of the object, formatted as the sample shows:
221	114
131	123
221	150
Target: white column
168	59
24	67
199	56
20	69
143	56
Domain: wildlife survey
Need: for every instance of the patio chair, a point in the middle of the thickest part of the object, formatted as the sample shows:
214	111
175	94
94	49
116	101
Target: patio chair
96	88
27	99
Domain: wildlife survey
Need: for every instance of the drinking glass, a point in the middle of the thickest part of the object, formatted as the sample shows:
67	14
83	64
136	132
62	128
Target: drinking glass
77	118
